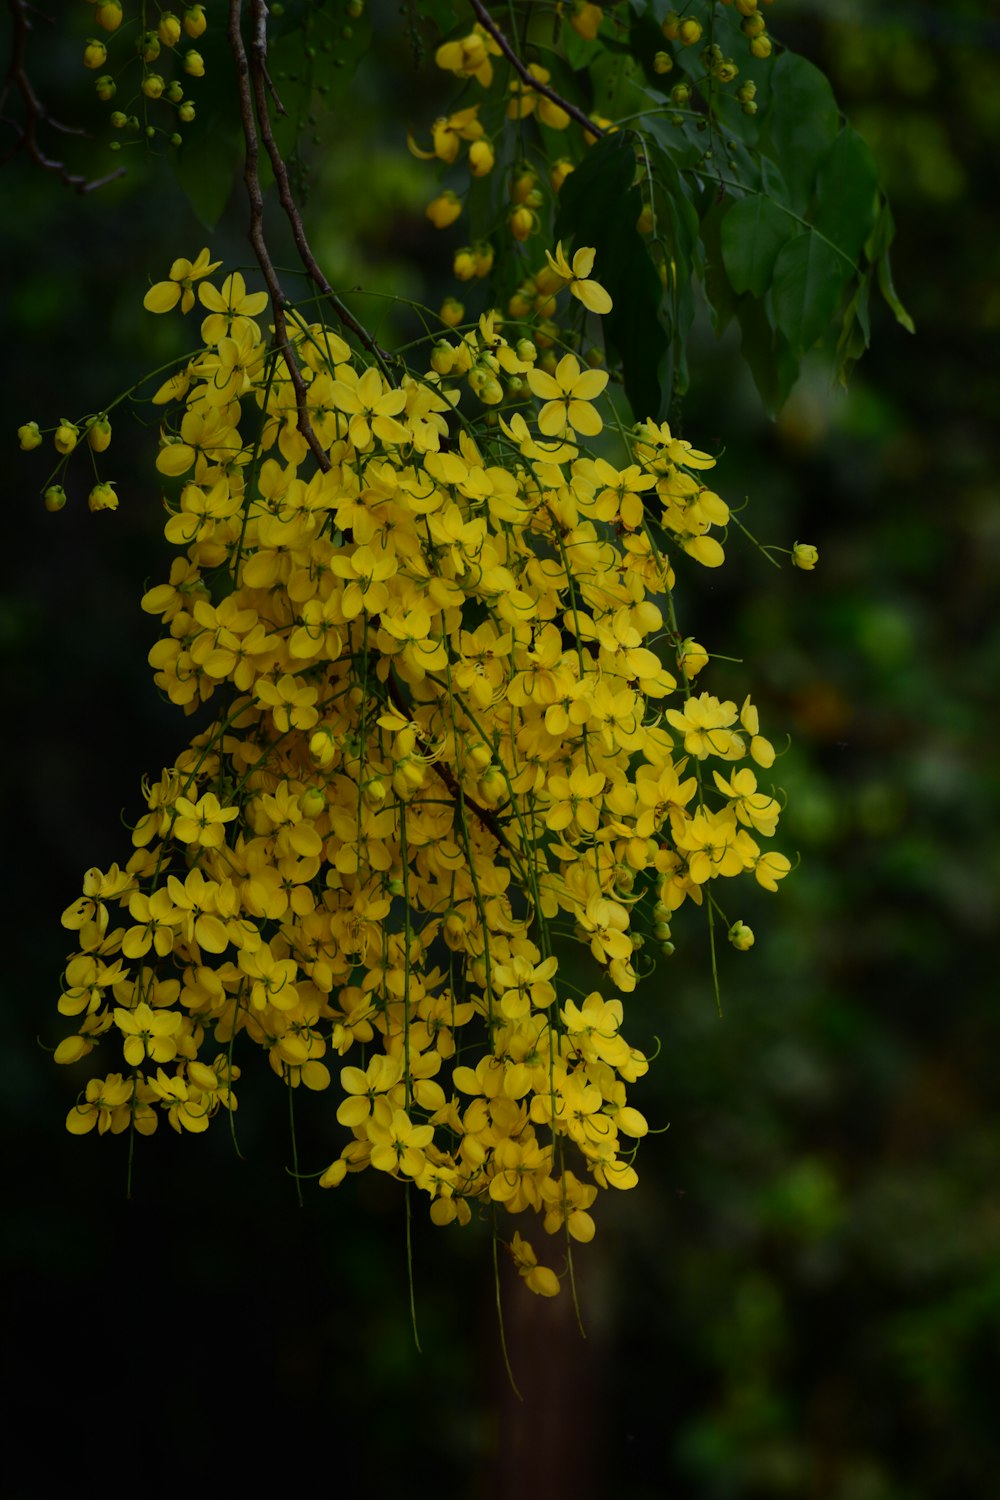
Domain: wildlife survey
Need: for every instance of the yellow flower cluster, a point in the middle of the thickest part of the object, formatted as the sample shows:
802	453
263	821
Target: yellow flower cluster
443	743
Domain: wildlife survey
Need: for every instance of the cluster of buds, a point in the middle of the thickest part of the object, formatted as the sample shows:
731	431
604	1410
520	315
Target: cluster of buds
159	50
94	433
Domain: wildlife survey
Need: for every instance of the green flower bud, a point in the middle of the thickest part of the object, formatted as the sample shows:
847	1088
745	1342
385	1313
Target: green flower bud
741	936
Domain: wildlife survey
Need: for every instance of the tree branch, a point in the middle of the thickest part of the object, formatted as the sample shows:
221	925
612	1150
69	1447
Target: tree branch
488	24
251	176
315	274
35	113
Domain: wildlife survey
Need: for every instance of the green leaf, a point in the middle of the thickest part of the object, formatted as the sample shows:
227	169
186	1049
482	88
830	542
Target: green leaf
207	168
580	53
855	333
809	280
599	206
753	232
617	84
847	193
718	287
877	251
442	12
801	125
772	364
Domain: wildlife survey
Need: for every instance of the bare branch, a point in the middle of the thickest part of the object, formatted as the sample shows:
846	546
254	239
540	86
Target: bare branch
259	74
488	24
35	112
251	176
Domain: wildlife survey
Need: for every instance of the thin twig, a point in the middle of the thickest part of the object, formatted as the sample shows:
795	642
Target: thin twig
258	48
447	775
35	113
488	24
251	176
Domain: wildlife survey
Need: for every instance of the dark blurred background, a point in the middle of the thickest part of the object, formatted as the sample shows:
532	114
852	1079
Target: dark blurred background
802	1297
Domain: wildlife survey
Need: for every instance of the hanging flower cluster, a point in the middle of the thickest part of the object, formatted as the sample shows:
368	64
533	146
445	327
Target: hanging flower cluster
444	740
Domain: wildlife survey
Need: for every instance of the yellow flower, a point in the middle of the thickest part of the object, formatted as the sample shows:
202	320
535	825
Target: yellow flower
148	1033
567	395
202	822
804	556
469	57
233	302
106	1106
164	295
538	1279
590	293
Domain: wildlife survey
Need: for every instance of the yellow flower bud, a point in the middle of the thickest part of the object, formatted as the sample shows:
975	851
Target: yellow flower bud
522	183
452	312
149	47
194	21
483	252
442	358
690	32
99	434
444	209
186	112
102	497
804	556
753	26
66	437
153	85
95	54
464	264
323	747
108	15
481	158
29	436
105	87
663	63
312	802
671	27
54	498
169	28
522	222
194	64
761	46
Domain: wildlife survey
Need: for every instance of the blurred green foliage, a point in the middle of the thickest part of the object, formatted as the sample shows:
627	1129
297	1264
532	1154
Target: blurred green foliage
803	1296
